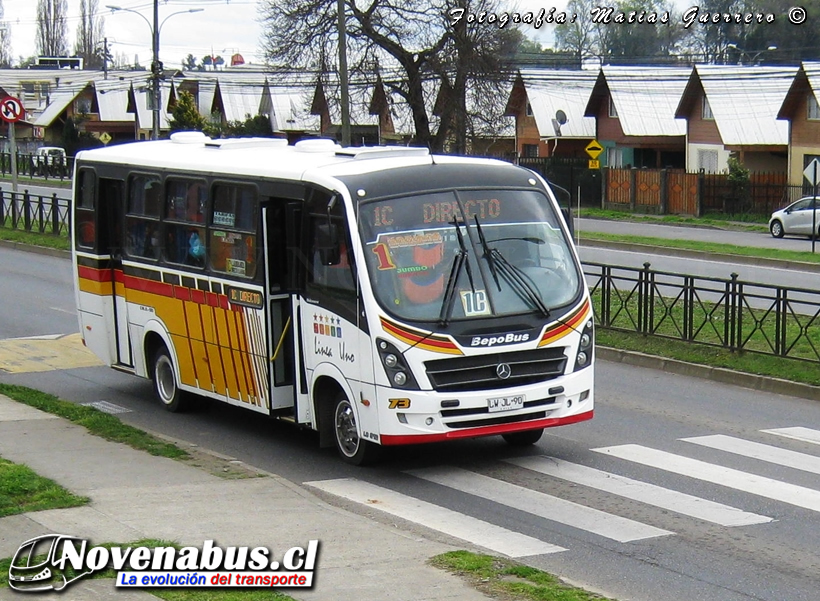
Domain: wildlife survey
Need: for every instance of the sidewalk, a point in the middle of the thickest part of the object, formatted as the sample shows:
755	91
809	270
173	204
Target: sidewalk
135	495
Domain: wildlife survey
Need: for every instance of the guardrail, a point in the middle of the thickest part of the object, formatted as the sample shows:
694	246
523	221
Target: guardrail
34	213
31	166
723	312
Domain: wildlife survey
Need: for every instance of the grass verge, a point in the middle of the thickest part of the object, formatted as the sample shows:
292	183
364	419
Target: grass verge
95	421
23	490
507	580
168	594
744	222
59	242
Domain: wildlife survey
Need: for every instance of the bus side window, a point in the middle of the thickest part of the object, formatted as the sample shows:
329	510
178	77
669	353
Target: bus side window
184	215
142	222
233	246
84	217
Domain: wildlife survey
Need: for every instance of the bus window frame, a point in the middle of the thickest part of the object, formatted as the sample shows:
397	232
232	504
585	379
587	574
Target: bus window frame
173	222
259	257
80	209
156	220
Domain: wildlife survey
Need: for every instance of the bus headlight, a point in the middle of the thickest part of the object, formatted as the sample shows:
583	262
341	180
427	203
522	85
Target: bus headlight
398	373
585	347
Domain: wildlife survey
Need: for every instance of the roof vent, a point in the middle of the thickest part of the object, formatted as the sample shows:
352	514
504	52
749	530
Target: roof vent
316	145
189	137
233	143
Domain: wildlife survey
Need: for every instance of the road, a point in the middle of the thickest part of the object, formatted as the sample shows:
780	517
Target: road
606	495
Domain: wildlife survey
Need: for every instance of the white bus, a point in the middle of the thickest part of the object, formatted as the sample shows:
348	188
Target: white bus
381	296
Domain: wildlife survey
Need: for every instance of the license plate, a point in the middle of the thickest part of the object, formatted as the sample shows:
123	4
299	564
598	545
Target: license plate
505	403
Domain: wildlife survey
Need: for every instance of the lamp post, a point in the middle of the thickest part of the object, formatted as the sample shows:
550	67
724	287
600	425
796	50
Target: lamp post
156	65
752	58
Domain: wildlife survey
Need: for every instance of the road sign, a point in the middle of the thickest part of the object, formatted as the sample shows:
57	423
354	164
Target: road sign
11	109
812	172
594	149
594	164
105	137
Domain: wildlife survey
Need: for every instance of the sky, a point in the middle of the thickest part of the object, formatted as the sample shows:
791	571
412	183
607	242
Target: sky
225	27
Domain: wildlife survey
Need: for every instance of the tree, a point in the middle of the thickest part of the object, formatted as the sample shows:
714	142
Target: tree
185	116
51	27
189	64
90	36
421	44
75	140
5	41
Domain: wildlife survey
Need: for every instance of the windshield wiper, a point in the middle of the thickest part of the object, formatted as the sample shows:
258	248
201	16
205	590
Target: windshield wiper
459	261
488	253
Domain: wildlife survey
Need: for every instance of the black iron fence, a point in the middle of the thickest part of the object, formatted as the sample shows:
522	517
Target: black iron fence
728	313
32	165
34	213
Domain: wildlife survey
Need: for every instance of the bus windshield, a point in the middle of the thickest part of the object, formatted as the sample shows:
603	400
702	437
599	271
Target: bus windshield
467	254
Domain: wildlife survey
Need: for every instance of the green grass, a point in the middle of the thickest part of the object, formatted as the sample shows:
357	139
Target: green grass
95	421
26	180
22	490
58	242
744	222
505	579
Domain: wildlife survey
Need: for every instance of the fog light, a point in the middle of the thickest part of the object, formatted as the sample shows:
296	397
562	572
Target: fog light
383	345
400	378
584	396
402	418
391	360
429	421
585	340
582	358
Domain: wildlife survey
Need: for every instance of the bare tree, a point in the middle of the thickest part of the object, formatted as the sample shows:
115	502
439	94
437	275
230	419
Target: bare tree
428	43
5	40
51	27
90	36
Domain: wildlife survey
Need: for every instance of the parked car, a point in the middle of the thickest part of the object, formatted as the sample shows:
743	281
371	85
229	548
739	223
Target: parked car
47	158
796	219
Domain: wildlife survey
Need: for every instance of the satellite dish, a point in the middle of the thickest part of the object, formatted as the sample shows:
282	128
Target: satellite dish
561	117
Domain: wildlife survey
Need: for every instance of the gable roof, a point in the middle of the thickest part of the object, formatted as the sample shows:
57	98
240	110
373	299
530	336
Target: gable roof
551	90
645	98
807	79
745	101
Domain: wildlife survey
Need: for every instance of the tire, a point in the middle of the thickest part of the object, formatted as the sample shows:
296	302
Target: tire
352	449
776	228
523	439
166	387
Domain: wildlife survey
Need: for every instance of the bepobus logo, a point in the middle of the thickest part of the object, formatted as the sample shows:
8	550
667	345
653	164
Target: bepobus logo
52	562
501	339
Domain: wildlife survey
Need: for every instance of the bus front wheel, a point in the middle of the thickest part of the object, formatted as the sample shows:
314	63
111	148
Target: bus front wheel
352	448
523	439
165	382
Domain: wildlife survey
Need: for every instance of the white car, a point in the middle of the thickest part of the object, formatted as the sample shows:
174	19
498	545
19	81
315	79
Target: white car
796	218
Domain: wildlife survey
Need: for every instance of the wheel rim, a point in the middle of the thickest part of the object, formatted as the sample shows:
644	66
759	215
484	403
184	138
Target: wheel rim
776	228
346	434
166	384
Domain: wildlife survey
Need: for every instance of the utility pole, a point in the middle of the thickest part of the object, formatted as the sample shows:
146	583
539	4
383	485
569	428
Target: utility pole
345	96
105	58
156	68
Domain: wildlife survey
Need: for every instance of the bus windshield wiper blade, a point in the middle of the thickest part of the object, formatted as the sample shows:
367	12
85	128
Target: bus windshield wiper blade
518	282
459	262
488	253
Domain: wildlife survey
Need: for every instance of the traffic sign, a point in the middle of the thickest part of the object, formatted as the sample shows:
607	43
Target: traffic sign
594	164
11	109
105	137
812	172
594	149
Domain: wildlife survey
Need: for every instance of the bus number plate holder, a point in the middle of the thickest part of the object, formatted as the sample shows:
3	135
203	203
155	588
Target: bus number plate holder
505	403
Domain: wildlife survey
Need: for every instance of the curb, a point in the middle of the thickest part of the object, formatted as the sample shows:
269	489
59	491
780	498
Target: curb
703	255
715	374
38	250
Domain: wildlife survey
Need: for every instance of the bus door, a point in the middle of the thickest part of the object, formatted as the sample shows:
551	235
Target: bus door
282	310
111	241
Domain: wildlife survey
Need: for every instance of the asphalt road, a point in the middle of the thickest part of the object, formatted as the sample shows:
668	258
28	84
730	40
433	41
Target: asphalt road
653	428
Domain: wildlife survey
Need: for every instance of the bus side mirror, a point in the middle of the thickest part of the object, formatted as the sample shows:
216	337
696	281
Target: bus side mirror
327	243
567	214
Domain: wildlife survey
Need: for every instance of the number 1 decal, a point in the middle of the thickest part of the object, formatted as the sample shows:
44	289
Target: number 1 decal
475	303
385	262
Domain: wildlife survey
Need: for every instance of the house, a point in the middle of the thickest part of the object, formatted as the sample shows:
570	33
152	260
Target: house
733	111
801	110
634	109
548	106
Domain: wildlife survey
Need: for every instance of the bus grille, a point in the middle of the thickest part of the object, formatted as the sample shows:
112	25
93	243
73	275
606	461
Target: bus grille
463	374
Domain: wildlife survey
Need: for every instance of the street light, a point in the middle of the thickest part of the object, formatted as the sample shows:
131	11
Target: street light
752	58
156	65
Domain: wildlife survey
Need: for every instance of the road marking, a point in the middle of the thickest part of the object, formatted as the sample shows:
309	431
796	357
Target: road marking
107	407
478	532
797	433
679	502
536	503
756	450
45	353
723	476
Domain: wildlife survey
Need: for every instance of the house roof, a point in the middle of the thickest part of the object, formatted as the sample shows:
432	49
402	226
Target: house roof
551	90
59	101
112	100
745	101
645	98
806	80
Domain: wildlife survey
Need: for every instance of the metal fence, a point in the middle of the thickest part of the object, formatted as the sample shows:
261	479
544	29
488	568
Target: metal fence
728	313
31	166
34	213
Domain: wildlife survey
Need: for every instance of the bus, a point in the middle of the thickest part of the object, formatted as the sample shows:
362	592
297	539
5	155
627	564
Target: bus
378	295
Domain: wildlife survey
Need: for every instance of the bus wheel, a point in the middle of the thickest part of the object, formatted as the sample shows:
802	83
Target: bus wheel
523	439
165	382
351	447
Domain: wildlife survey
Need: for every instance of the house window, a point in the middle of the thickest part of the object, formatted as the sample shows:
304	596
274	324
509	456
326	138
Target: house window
814	108
708	161
706	110
612	112
529	150
529	110
614	157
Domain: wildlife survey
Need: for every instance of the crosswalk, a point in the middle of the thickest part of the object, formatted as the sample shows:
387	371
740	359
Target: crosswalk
501	486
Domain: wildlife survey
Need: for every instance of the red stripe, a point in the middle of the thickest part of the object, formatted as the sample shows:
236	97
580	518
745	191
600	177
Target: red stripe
212	299
402	439
198	296
96	275
135	283
182	293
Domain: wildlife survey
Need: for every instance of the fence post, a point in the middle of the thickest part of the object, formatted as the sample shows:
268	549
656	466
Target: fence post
699	195
606	296
55	215
643	294
2	208
15	210
780	327
688	308
41	214
633	173
737	313
26	211
664	185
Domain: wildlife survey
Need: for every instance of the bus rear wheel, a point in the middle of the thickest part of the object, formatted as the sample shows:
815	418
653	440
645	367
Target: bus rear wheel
352	448
165	382
523	439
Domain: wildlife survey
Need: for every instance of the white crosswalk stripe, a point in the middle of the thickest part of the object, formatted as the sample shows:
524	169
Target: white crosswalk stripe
644	492
756	450
797	433
540	504
723	476
478	532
